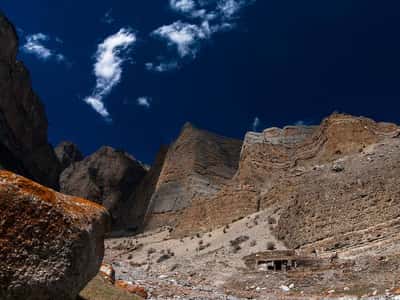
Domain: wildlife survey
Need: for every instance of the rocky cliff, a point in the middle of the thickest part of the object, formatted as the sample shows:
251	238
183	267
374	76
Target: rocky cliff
198	163
23	124
108	177
330	187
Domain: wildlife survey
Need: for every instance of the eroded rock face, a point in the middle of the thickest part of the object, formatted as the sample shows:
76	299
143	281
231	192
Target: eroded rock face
51	244
330	186
23	124
198	164
108	177
67	154
140	199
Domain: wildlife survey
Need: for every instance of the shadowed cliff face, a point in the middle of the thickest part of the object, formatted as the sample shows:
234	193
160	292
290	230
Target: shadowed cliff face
108	177
67	154
23	122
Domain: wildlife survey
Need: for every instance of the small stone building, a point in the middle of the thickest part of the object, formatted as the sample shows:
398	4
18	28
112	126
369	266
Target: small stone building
277	260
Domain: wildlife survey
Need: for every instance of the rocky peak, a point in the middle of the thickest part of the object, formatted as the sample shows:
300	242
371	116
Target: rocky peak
8	40
68	153
198	163
108	177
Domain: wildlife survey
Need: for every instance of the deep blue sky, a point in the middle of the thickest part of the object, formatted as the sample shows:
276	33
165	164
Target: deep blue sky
285	61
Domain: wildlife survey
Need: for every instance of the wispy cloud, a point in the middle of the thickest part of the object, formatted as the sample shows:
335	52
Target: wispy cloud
256	123
184	6
204	19
37	45
144	101
110	57
108	18
184	36
300	123
162	67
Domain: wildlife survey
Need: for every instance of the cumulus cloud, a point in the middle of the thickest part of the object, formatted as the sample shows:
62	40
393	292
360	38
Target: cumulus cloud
144	101
256	123
109	59
206	17
36	44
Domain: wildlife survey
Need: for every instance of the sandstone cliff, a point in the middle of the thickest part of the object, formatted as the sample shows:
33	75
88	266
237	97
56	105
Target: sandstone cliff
198	163
332	186
51	244
23	124
108	177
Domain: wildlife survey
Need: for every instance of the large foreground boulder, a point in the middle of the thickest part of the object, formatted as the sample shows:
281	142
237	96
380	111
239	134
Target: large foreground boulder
108	177
51	245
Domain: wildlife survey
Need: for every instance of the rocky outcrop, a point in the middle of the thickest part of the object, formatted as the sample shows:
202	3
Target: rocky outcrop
108	177
330	187
51	244
67	154
197	164
23	124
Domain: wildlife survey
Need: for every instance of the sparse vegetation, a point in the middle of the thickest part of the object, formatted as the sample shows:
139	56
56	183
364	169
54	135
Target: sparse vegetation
235	244
271	246
271	220
150	251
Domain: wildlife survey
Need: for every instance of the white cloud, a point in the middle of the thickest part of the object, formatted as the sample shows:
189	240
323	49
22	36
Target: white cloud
35	44
229	8
184	6
108	67
162	67
207	17
184	36
144	101
98	106
256	123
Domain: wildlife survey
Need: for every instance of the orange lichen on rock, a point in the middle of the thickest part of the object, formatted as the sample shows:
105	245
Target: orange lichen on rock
50	243
75	206
132	288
